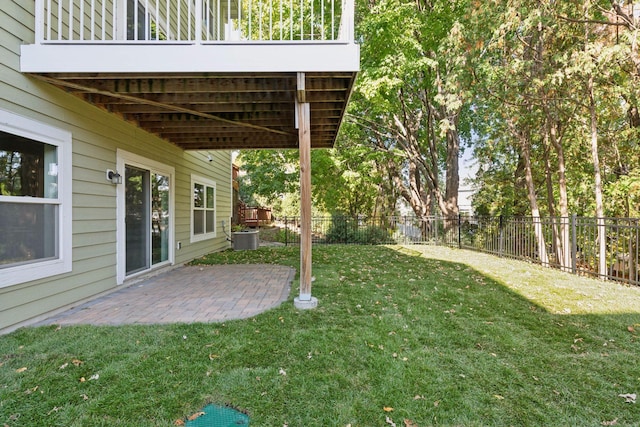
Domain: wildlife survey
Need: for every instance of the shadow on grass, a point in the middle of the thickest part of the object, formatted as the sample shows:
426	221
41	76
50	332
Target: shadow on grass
396	337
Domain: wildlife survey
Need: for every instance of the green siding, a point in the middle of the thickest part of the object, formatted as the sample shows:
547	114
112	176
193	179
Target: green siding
97	135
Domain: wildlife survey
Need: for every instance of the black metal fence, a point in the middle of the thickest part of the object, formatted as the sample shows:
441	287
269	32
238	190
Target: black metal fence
606	248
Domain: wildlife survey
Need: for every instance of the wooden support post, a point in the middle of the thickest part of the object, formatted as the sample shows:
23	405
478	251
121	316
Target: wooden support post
305	300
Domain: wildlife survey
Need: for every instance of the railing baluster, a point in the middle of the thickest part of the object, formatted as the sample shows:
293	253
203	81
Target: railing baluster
250	20
270	19
198	26
229	25
260	20
39	38
70	20
207	20
93	20
311	31
81	21
103	13
114	19
168	22
59	19
333	20
147	21
322	37
281	24
219	18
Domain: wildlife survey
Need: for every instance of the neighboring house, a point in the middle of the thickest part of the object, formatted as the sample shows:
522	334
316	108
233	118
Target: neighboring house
117	118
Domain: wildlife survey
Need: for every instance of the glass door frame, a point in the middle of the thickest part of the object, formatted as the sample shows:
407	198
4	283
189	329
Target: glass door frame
130	159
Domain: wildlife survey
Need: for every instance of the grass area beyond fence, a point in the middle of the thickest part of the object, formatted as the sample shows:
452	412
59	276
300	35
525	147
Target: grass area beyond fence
406	336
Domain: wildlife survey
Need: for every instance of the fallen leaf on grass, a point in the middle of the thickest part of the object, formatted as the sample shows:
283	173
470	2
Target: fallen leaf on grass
31	390
179	423
387	408
94	377
282	372
628	397
64	365
20	370
497	396
390	422
631	329
77	362
409	423
613	422
195	416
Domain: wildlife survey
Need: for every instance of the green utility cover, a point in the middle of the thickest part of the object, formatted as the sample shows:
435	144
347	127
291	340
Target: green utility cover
219	416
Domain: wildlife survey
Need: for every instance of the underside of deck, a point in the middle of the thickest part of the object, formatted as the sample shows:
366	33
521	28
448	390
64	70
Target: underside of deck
205	111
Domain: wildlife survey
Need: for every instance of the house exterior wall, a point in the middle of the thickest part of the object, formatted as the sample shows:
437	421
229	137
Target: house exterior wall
97	138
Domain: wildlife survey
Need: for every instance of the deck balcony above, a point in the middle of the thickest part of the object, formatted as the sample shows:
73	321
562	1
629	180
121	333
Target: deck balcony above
203	74
192	36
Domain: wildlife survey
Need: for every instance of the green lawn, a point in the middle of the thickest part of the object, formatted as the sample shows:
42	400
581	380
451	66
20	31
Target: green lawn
402	336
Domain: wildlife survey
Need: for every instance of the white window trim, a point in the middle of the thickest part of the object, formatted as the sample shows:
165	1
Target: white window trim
195	179
62	139
125	157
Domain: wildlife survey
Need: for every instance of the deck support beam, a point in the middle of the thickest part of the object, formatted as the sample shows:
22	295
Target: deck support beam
304	300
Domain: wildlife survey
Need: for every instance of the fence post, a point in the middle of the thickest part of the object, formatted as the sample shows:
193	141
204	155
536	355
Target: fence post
602	248
404	230
500	237
574	245
459	231
286	231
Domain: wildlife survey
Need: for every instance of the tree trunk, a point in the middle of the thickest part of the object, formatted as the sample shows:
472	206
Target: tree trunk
564	251
597	176
531	192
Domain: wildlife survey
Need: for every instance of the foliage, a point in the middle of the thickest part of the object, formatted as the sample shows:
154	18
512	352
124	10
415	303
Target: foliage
423	338
551	80
349	230
530	86
410	95
344	180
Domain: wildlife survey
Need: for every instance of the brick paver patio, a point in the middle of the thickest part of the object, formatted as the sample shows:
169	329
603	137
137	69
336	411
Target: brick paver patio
188	294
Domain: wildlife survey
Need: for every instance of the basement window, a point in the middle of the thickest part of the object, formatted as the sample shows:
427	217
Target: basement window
203	209
35	191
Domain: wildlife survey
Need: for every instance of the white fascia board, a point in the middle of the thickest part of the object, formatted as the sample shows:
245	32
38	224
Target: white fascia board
202	58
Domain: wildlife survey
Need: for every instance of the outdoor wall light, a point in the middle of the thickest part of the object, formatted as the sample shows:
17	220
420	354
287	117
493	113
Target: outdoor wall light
114	177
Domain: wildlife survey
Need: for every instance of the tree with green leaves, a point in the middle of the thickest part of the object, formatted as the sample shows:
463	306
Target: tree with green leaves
410	96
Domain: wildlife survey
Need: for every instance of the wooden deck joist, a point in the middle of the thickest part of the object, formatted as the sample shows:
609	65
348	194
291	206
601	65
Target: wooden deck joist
218	111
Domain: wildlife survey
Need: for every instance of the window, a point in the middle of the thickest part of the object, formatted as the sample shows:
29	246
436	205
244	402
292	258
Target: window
142	23
203	207
35	187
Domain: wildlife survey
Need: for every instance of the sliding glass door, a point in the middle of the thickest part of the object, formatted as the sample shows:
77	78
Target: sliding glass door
147	218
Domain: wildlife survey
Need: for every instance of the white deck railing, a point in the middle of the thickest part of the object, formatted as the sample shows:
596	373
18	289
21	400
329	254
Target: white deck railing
193	21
